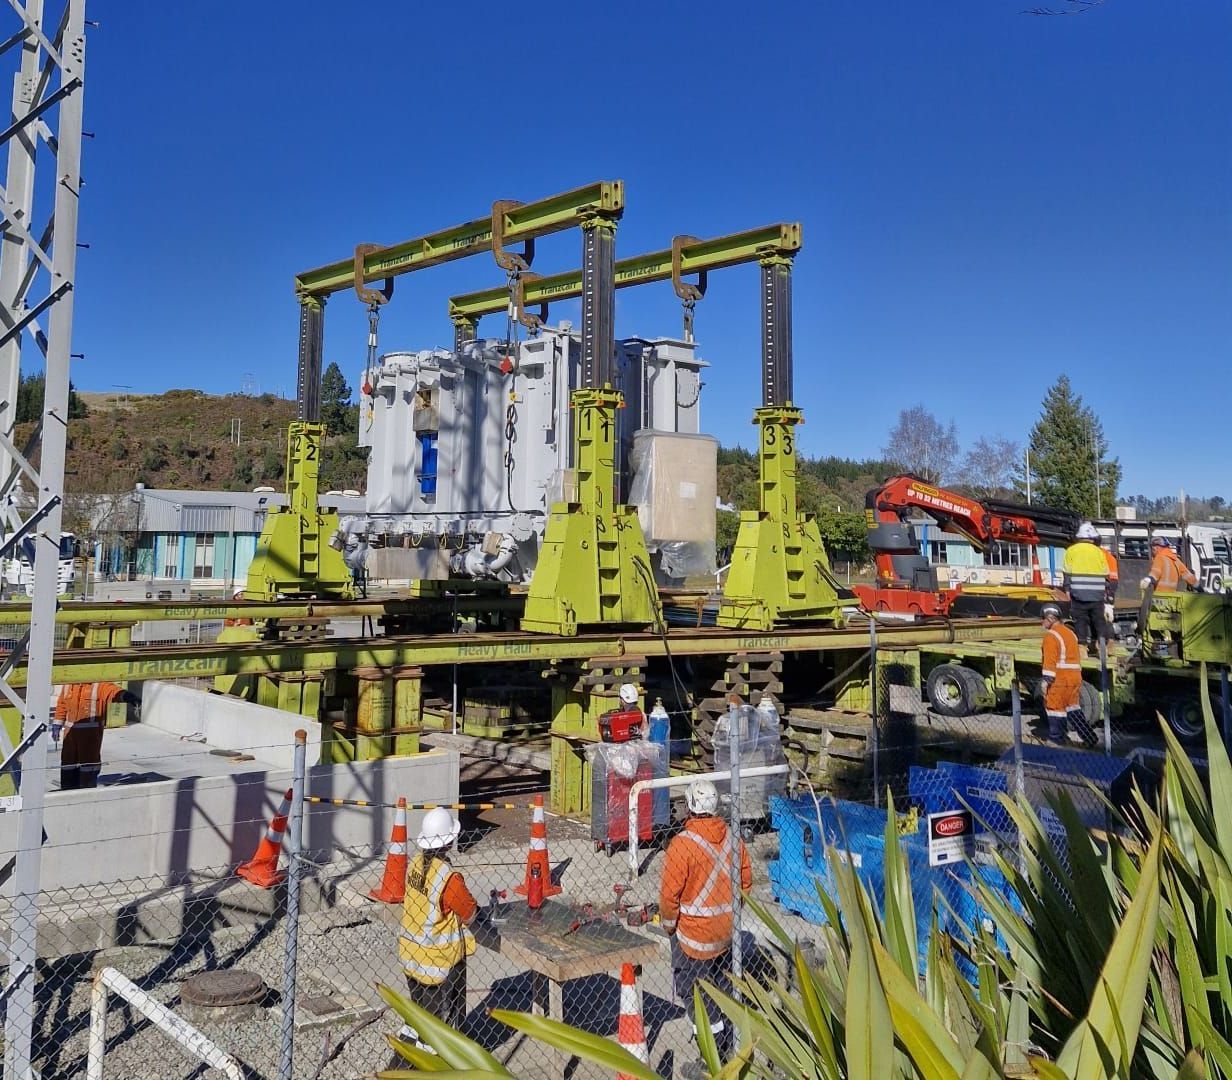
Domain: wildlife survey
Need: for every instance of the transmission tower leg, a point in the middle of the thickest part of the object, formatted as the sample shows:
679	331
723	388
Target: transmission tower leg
62	90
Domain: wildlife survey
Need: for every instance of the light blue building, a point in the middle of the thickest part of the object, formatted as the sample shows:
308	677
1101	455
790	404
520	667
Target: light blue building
207	538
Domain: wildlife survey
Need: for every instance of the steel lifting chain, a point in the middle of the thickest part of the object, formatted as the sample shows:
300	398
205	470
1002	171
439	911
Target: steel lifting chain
374	318
511	412
688	306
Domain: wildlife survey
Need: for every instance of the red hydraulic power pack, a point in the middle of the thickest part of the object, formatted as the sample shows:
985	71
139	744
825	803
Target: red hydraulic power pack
621	725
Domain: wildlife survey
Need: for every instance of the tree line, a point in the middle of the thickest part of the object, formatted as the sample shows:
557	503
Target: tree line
1064	463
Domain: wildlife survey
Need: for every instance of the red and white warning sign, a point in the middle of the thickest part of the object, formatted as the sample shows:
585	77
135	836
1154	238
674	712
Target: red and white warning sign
951	837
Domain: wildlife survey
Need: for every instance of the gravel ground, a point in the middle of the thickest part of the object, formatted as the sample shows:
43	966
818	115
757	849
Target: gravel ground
345	951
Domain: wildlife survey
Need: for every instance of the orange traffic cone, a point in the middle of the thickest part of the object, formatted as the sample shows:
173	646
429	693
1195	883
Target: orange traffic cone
1036	577
538	854
262	869
630	1032
393	885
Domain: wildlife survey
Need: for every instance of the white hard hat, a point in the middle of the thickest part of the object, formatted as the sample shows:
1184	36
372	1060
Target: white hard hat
438	829
238	594
628	694
1087	531
1050	611
702	797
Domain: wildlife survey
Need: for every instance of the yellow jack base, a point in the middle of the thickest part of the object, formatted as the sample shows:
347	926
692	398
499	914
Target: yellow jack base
593	570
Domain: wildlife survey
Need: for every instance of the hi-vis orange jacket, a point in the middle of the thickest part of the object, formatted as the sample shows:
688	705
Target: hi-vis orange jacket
1061	664
695	896
85	703
1168	571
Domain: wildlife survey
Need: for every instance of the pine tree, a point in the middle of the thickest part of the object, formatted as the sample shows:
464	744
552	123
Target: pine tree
30	400
336	402
1068	451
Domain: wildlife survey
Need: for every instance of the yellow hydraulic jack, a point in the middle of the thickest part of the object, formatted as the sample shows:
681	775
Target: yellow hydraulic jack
293	555
593	567
779	570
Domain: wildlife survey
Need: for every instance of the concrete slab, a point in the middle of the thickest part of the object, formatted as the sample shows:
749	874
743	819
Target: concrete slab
140	754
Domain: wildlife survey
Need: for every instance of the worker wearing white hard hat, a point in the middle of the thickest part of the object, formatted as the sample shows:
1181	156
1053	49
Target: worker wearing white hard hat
436	911
1085	570
237	620
695	898
628	694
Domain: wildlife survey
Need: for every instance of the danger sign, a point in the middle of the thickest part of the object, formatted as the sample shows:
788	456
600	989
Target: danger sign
951	837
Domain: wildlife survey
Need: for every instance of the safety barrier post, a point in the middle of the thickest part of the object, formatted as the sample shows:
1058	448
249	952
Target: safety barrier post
1016	710
736	716
1105	693
874	732
295	833
170	1023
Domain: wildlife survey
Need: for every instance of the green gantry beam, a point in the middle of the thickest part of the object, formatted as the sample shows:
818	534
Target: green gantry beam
140	663
521	223
697	257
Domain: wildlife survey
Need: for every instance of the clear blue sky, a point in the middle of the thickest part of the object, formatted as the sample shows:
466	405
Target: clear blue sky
989	199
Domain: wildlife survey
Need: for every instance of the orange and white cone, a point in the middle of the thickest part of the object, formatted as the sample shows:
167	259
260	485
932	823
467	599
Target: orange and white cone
262	869
1037	578
630	1031
538	854
393	885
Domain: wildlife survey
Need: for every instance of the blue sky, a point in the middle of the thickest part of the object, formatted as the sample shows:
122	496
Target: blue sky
989	199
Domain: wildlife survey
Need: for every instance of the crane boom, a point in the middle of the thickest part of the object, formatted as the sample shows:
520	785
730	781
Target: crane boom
906	580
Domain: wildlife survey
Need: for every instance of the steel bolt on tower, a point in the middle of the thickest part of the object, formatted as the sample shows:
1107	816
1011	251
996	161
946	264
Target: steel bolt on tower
779	571
46	119
594	567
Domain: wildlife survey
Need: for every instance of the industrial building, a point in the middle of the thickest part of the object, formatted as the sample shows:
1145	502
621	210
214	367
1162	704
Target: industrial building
205	539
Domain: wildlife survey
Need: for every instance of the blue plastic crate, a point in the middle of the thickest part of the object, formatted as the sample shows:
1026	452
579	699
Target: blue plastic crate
955	787
855	830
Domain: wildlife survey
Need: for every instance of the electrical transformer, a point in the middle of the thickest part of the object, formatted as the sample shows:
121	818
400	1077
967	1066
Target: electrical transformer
470	449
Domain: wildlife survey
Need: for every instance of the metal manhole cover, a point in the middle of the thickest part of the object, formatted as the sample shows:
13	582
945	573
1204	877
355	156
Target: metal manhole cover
321	1005
220	988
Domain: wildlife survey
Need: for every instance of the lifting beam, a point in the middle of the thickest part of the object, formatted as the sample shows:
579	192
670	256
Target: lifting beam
779	572
293	554
688	254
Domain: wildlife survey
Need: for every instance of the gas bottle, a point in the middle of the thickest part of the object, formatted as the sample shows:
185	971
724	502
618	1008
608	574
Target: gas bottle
660	723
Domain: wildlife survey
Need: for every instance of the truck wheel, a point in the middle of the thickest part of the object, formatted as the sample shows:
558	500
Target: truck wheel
949	691
1185	718
1091	701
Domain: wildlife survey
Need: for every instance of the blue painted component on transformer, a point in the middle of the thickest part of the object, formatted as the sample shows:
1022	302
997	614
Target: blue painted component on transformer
427	463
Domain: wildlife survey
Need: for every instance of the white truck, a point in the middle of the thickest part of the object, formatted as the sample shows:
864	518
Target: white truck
18	570
1207	549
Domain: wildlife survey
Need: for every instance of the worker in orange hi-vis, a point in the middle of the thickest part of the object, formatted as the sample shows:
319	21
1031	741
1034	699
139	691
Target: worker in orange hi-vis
1062	672
436	911
695	899
1168	570
82	710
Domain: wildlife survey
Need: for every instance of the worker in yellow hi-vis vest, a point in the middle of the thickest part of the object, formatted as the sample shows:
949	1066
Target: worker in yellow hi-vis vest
436	911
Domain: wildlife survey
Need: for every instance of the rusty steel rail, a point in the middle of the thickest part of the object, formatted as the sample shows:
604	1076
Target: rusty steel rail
144	662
